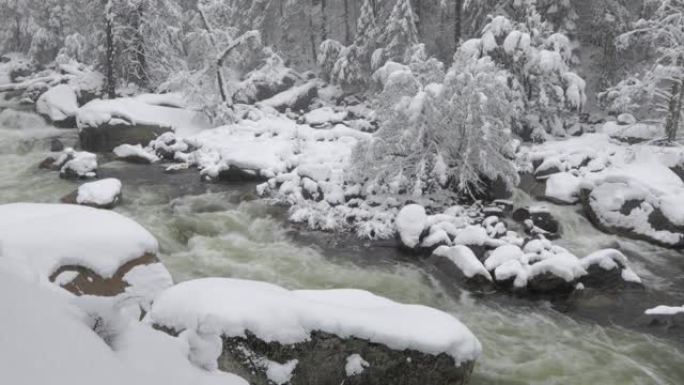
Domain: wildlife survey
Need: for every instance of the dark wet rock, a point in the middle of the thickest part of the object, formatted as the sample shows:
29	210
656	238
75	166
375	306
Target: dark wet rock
87	282
531	185
298	98
257	88
538	221
106	137
549	284
236	174
604	279
242	356
56	145
49	164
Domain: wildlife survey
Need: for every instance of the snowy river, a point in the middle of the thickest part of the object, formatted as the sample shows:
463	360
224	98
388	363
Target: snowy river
221	230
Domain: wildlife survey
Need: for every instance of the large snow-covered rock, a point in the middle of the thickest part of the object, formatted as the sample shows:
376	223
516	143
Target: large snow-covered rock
59	104
296	98
608	268
74	164
105	124
103	194
85	250
263	325
630	209
563	188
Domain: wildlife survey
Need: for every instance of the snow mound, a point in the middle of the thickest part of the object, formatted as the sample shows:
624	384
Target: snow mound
664	310
410	223
48	236
272	313
70	352
99	193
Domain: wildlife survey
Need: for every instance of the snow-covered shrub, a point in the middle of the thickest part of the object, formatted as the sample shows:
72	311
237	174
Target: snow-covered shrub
452	136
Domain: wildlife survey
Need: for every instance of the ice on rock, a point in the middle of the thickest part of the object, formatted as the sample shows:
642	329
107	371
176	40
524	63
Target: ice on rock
355	365
99	193
410	223
272	313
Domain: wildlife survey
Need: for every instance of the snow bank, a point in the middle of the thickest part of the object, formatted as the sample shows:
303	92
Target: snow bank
48	236
100	193
276	314
49	340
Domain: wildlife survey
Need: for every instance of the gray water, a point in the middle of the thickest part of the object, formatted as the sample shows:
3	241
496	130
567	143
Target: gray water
218	230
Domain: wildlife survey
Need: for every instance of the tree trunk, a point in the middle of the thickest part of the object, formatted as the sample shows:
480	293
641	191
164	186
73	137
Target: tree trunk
674	113
458	27
109	51
312	37
141	65
324	22
347	35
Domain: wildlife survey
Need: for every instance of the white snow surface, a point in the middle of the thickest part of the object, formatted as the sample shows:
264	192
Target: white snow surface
355	365
563	187
135	151
410	223
48	236
665	310
143	109
324	115
64	350
280	374
464	259
276	314
82	163
102	192
58	103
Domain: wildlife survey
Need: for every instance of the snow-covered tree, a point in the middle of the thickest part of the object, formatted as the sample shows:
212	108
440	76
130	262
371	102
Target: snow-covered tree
550	95
663	82
398	35
560	13
352	66
453	135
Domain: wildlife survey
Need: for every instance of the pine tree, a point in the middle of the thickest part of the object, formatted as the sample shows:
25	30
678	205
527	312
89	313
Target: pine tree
663	30
399	34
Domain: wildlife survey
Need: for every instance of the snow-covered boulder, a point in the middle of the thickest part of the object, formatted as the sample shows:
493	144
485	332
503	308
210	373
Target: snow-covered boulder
410	223
324	116
296	98
135	154
665	316
629	208
608	268
633	132
269	331
59	104
563	188
459	263
82	249
73	164
101	194
626	119
105	124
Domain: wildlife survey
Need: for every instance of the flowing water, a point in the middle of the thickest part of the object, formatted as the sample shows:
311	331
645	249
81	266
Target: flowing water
220	230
